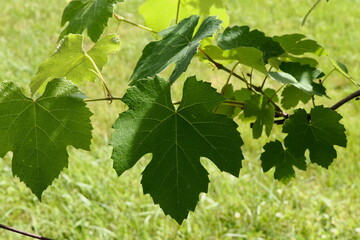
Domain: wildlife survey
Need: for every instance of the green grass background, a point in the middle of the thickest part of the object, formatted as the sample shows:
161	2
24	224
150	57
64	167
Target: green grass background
89	201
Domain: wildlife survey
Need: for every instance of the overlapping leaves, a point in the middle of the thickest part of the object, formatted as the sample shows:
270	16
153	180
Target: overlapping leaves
71	61
177	138
38	131
178	46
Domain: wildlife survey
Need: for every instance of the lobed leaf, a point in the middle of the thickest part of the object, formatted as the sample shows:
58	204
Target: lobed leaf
177	138
38	131
318	133
178	46
92	15
283	161
71	61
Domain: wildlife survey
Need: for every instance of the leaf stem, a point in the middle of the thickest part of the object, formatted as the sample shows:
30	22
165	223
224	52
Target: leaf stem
24	233
177	12
98	73
223	90
110	98
122	19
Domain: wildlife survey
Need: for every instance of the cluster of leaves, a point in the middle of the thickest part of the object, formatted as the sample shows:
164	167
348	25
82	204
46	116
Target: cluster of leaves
38	130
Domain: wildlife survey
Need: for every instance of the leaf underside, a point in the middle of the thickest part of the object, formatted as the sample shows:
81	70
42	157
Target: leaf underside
177	138
38	131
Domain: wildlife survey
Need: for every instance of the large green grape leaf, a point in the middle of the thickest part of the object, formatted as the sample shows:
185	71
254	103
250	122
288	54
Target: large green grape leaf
317	132
283	161
92	15
259	106
177	138
301	76
178	46
297	44
38	131
235	37
291	96
160	14
71	61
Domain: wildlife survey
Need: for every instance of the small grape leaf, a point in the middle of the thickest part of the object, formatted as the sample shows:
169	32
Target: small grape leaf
177	138
92	15
38	131
291	96
71	61
178	46
160	14
259	106
248	56
282	160
301	76
235	37
297	44
318	132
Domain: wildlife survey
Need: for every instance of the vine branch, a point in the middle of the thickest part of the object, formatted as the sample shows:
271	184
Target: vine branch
334	107
24	233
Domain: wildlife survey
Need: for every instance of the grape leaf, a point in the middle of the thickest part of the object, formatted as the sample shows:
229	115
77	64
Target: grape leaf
92	15
235	37
301	76
319	134
282	160
160	14
178	46
297	44
291	96
260	107
38	131
248	56
71	61
177	138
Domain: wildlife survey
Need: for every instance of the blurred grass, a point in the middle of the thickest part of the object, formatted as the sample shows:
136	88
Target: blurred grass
89	201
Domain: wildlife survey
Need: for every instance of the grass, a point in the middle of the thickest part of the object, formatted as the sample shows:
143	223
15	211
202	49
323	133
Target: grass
88	200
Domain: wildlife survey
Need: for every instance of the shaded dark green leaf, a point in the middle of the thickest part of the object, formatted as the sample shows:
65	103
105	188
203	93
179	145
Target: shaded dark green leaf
283	161
177	138
317	132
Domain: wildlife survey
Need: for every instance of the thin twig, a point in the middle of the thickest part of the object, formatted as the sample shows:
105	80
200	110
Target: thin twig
122	19
308	13
24	233
228	80
345	100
